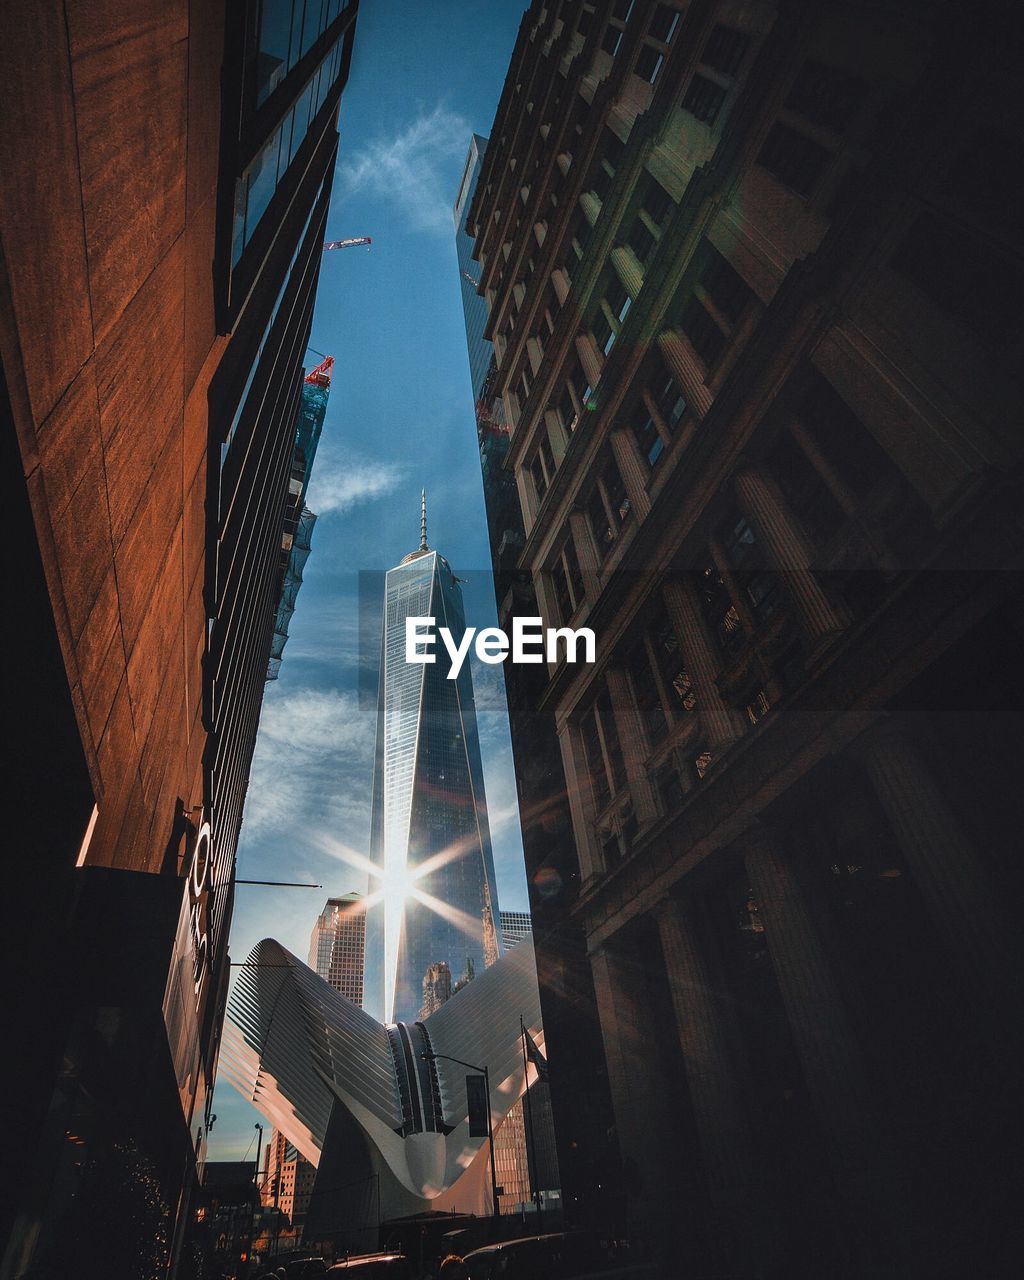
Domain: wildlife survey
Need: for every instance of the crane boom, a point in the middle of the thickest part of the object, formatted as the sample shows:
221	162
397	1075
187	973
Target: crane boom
347	244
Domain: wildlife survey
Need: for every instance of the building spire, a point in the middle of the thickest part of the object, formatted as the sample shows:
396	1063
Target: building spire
423	520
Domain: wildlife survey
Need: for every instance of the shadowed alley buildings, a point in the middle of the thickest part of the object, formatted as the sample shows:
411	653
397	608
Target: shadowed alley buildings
753	275
165	171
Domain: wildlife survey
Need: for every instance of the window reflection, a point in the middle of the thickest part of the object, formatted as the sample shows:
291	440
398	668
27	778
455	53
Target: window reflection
255	188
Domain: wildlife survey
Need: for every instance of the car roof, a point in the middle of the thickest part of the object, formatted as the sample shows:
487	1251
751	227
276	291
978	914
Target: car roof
550	1236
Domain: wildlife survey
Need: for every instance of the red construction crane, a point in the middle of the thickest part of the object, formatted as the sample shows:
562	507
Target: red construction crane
347	244
321	375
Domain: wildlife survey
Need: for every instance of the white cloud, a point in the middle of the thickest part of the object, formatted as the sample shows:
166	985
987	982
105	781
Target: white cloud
312	765
412	168
343	479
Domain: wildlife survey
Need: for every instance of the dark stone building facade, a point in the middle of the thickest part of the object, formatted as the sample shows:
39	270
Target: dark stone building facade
165	170
754	277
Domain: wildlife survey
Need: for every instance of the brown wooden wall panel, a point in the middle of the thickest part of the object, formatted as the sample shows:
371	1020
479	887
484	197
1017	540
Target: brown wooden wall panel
68	443
133	157
200	321
43	235
205	55
138	374
82	540
142	554
101	658
158	645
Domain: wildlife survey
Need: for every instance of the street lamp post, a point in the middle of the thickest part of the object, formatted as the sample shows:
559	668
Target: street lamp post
432	1057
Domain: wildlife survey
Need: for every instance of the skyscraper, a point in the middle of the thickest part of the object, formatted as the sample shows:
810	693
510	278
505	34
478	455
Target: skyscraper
515	926
473	305
336	945
429	835
504	518
296	540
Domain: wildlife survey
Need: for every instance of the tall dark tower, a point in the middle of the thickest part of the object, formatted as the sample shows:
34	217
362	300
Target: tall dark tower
429	832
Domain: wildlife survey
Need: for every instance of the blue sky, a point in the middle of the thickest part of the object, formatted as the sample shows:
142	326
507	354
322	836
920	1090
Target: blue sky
425	75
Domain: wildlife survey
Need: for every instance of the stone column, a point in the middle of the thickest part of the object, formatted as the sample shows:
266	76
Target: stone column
635	747
722	723
628	269
581	802
778	533
704	1023
687	371
833	1064
592	361
633	470
953	881
586	551
640	1095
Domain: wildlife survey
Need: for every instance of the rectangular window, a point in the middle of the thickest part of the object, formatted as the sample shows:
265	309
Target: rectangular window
664	23
725	286
725	50
657	204
720	613
669	787
760	585
669	661
648	63
642	242
610	733
255	189
705	336
648	696
590	737
612	40
646	434
668	399
704	99
795	160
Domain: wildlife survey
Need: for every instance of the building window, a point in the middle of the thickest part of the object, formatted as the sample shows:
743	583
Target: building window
602	750
741	549
725	50
821	98
794	159
257	185
720	614
651	219
607	507
704	99
567	580
657	414
669	787
661	685
612	311
542	467
576	397
287	32
652	53
712	314
717	70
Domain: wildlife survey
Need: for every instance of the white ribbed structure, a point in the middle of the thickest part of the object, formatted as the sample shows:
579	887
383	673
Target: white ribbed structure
293	1045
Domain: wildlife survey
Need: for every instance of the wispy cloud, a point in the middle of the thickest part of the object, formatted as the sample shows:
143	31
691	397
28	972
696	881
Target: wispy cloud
312	765
412	168
343	479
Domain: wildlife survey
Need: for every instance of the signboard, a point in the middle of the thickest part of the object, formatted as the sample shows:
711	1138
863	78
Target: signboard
476	1095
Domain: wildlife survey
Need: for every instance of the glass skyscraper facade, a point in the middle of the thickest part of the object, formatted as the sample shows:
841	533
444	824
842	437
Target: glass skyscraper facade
337	943
429	832
473	305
